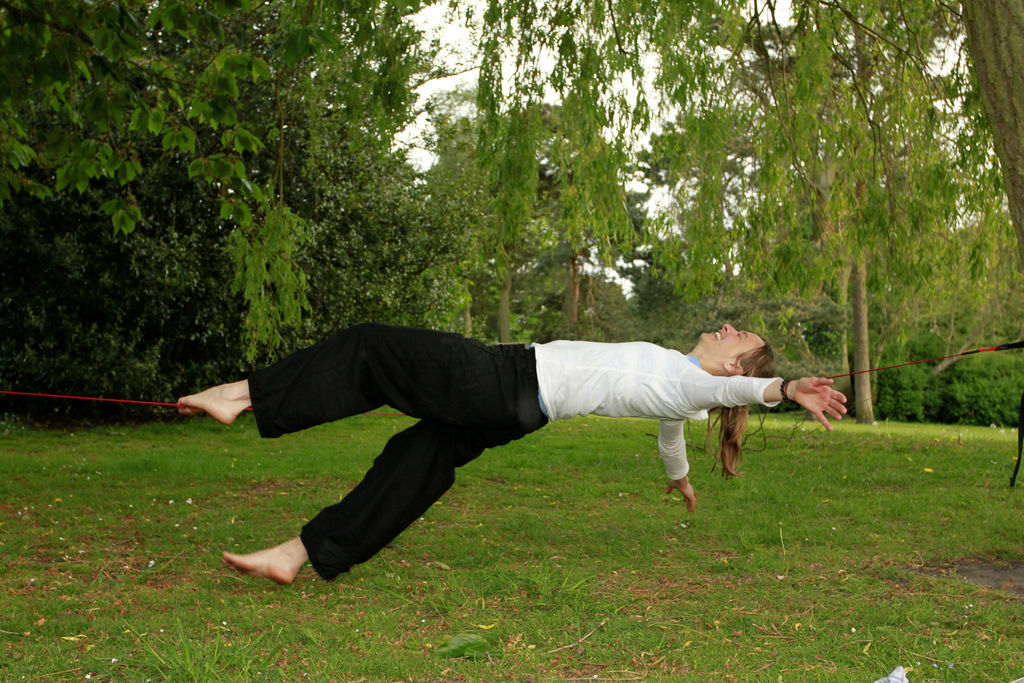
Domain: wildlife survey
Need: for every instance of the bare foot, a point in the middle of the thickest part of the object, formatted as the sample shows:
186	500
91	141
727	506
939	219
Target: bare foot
280	563
223	402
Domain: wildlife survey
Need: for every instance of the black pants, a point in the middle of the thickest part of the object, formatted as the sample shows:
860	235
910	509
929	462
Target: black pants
467	395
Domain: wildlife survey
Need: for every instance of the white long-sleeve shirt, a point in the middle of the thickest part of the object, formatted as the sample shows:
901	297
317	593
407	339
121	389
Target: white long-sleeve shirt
638	379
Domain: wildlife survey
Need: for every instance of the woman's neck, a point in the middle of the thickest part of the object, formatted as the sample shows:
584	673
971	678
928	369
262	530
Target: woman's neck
709	364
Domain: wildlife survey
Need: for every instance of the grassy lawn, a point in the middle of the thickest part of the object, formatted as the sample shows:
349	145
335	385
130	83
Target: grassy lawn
835	558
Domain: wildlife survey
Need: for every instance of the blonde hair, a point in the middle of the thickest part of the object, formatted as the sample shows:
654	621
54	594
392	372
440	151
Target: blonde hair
733	421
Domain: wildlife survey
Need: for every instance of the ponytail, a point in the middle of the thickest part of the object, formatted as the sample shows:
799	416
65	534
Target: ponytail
733	421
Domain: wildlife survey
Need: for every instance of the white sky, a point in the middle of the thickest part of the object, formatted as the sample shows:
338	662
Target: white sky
457	54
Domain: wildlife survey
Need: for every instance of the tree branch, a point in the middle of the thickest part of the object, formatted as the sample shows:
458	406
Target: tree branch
442	76
615	30
910	55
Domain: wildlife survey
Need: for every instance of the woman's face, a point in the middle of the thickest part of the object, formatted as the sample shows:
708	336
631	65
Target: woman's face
729	342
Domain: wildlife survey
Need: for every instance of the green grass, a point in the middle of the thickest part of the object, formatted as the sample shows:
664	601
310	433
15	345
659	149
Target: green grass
832	559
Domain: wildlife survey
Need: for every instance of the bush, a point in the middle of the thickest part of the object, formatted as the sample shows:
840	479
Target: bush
903	393
152	316
980	390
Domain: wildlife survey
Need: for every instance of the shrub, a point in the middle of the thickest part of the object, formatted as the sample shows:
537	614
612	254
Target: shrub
981	390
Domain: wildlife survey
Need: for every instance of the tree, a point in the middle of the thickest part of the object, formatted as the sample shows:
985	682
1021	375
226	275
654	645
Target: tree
84	86
151	313
995	37
91	312
584	56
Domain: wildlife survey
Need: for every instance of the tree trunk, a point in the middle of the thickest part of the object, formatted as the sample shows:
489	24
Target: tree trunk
467	320
861	353
995	39
572	296
505	308
844	384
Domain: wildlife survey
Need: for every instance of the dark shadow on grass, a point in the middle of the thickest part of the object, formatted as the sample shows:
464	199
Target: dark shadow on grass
1002	576
989	573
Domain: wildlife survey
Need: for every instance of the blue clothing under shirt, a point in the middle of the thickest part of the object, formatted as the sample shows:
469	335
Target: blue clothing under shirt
544	408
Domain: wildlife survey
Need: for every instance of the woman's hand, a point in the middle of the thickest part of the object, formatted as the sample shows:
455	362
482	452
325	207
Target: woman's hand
684	487
818	397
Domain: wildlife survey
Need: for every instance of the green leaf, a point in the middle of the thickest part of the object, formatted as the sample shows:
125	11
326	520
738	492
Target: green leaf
140	119
196	168
112	206
182	138
156	121
175	17
324	37
260	69
22	155
242	214
176	96
244	140
227	6
200	109
248	187
127	171
123	215
238	65
220	58
188	140
220	110
205	21
470	645
62	177
225	84
83	69
296	46
221	167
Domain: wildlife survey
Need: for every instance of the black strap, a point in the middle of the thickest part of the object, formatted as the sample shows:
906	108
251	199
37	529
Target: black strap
1020	441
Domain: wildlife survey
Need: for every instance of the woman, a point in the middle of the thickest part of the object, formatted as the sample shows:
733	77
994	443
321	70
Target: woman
469	396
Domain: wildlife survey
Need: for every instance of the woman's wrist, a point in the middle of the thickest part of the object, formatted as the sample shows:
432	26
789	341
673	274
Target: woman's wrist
784	390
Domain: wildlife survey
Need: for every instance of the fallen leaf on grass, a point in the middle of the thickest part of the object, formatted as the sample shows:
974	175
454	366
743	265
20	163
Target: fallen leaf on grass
464	645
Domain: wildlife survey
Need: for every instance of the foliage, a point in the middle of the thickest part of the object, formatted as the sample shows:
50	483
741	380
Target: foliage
87	87
151	315
539	304
460	180
98	74
384	245
537	261
589	57
985	391
979	390
832	140
825	139
144	316
792	147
